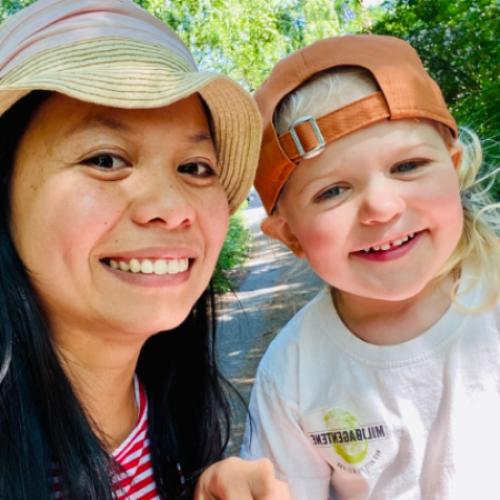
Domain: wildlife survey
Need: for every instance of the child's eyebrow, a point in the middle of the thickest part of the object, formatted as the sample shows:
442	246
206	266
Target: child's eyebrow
407	148
316	179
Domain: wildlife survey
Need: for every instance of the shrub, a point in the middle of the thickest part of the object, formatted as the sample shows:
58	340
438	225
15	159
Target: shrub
233	253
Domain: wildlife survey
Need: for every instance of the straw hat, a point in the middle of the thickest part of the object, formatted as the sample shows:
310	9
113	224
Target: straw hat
114	53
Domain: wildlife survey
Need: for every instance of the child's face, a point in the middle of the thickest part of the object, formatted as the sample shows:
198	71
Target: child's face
93	184
378	213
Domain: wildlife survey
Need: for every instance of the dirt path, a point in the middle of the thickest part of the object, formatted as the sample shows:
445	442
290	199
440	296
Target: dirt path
276	285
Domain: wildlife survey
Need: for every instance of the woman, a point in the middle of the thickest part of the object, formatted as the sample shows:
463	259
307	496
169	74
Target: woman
120	166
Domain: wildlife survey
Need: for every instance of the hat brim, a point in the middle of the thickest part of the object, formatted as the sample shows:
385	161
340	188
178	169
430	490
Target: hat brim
126	73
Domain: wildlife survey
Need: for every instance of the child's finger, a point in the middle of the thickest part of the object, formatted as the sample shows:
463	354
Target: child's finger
237	479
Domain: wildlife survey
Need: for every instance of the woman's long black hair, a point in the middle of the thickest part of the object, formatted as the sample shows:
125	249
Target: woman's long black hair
44	430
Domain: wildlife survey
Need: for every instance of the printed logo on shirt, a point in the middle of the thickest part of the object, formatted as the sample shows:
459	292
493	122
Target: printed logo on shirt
349	438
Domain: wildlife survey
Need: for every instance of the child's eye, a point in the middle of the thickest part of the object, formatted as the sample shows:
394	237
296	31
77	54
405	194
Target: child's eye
196	169
106	161
331	192
408	166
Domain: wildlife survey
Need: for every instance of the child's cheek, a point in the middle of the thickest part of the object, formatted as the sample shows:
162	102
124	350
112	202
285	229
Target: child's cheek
323	234
442	209
441	195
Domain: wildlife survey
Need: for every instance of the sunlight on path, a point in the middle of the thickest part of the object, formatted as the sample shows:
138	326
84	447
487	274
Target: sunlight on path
275	287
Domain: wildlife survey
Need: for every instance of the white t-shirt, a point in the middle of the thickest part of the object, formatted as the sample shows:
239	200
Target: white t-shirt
344	419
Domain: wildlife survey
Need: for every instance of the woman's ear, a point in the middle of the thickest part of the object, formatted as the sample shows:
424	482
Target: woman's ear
456	154
276	227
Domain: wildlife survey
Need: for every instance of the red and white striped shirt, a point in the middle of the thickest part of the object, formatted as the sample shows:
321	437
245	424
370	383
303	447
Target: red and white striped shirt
135	481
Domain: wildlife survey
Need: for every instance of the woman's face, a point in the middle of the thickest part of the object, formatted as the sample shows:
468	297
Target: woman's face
118	215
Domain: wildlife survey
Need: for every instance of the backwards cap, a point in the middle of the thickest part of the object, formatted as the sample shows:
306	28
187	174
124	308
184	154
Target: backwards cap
406	91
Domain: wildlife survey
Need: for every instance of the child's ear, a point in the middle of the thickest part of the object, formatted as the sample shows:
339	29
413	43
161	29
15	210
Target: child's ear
456	153
275	226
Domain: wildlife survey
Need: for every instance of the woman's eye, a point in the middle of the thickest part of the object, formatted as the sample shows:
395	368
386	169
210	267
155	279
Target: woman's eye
332	192
197	169
408	166
106	161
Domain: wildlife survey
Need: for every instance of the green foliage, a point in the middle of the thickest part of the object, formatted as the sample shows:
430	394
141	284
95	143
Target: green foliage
9	7
457	40
234	251
245	38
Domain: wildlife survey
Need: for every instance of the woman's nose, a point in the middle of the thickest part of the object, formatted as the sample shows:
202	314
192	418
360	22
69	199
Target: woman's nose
163	200
382	201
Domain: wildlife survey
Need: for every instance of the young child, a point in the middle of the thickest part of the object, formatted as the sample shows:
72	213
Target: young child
386	385
120	165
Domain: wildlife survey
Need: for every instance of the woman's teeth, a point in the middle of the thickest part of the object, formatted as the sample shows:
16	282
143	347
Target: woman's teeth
390	244
149	266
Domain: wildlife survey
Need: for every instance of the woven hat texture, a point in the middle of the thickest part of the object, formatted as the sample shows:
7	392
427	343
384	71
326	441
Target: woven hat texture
114	53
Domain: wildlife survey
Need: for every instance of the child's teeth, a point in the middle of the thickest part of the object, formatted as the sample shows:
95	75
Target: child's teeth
113	264
387	246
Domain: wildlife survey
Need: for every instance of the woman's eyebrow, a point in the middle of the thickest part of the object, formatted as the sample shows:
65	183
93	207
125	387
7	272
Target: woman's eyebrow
200	137
97	121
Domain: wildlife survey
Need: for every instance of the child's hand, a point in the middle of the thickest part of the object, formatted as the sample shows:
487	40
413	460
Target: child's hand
237	479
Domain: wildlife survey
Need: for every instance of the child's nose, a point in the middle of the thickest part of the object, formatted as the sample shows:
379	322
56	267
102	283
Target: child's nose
163	200
381	202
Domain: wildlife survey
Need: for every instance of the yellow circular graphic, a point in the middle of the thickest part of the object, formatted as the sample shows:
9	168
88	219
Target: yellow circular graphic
338	420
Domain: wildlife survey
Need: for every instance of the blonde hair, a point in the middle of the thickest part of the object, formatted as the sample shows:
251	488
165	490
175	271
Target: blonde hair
480	240
324	92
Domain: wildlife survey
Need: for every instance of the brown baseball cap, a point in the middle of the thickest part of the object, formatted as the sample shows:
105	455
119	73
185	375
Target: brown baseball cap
406	91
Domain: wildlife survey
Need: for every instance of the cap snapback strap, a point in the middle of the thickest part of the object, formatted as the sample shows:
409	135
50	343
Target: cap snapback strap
308	136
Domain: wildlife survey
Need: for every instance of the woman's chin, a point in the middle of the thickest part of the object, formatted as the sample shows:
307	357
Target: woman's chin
139	328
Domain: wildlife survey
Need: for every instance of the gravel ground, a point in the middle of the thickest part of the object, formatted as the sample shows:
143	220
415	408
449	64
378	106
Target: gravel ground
272	286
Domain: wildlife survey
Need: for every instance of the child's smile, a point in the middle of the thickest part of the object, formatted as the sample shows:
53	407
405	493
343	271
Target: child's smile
389	249
378	213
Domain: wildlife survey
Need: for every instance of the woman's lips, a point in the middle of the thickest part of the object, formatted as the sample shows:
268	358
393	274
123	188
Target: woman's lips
151	279
158	267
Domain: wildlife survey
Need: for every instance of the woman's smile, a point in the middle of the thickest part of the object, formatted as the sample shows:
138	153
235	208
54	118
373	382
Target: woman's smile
139	241
153	267
150	274
149	266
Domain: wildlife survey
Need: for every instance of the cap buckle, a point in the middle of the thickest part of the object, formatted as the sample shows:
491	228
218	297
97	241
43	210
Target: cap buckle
316	150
